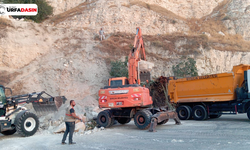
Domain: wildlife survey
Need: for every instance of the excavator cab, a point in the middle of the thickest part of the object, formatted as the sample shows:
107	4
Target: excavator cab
118	81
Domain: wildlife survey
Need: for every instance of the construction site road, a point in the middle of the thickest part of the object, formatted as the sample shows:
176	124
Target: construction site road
229	132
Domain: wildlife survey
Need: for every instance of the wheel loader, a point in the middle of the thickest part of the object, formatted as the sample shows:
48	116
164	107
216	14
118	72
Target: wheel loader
16	118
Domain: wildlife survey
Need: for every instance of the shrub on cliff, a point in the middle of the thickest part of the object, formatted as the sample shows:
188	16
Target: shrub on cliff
186	68
119	68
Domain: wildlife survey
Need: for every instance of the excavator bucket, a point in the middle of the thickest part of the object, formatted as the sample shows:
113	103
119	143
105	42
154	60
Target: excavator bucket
144	76
144	68
48	105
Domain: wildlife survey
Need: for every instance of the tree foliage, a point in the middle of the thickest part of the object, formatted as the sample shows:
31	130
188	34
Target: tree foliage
44	9
186	68
119	68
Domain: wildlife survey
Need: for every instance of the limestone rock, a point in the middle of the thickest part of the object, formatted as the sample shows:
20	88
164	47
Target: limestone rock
80	126
238	11
60	128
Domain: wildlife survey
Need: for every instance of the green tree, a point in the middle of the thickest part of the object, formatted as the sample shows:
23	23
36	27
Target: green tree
119	68
44	9
186	68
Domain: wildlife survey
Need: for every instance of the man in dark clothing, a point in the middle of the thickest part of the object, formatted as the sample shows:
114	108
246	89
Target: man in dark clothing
70	118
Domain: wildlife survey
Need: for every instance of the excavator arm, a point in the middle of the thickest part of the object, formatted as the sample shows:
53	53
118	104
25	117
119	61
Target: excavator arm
136	55
139	45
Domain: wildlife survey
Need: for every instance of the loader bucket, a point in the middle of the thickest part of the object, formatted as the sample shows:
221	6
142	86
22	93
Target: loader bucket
51	105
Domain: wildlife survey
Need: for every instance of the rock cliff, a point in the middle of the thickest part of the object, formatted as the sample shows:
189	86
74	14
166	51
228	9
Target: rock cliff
64	56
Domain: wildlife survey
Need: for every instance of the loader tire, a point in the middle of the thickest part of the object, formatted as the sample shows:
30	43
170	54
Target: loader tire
163	122
199	113
183	112
142	119
27	124
123	120
104	119
9	132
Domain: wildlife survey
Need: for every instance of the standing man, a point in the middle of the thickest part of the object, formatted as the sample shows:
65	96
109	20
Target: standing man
70	118
101	34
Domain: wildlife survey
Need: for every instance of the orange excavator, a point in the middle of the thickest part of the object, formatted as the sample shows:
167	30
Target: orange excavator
126	99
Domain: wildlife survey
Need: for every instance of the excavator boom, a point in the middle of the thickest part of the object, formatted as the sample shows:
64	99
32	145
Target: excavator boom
136	55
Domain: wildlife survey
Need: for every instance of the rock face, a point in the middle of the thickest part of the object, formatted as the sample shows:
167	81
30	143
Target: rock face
61	6
238	21
208	62
26	41
61	64
122	16
187	8
62	55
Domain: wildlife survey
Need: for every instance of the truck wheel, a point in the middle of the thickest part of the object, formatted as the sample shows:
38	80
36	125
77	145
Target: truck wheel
104	119
142	119
199	112
248	113
9	132
163	122
27	124
183	112
123	120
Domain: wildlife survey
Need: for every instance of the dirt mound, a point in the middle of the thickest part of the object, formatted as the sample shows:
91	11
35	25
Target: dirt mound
86	109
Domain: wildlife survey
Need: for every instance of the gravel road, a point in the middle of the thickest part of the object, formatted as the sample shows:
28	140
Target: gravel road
225	133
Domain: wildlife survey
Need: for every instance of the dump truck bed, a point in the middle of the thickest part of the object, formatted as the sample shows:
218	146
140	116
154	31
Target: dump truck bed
209	88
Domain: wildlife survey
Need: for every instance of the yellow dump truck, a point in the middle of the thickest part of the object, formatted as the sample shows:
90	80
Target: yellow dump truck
210	96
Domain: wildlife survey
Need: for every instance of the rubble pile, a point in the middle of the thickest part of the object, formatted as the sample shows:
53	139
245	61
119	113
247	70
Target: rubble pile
87	109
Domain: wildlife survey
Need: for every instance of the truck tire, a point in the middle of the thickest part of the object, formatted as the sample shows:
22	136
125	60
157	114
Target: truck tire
163	122
27	124
183	112
104	119
123	120
142	119
199	112
9	132
248	113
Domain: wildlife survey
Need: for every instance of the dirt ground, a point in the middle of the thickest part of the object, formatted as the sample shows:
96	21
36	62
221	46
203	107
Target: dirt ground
228	132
